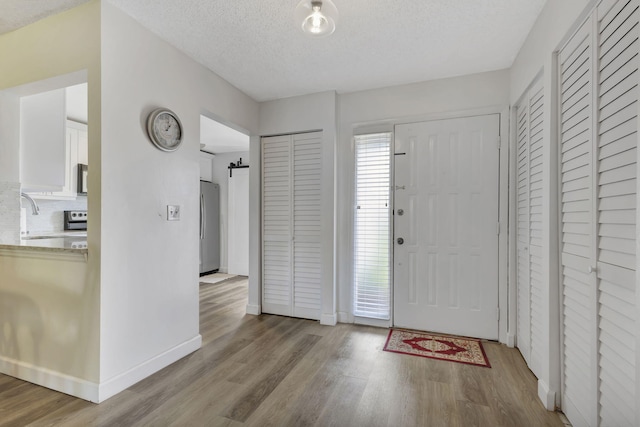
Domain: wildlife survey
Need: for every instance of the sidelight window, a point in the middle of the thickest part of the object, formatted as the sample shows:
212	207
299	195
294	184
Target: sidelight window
372	249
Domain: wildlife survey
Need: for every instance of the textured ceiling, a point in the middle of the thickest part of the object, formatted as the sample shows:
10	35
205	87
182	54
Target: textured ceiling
257	46
18	13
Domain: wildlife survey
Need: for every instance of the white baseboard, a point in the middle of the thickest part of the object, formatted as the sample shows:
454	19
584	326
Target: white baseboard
547	396
254	309
344	317
372	322
54	380
511	340
329	319
125	380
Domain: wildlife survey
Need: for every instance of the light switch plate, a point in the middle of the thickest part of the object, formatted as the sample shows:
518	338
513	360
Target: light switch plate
173	212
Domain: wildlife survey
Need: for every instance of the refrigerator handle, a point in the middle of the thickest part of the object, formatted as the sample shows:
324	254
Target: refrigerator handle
201	216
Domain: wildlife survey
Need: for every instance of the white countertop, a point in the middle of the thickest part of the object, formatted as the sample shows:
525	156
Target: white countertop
71	241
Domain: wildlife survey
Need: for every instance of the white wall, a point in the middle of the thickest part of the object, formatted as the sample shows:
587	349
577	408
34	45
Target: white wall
48	318
286	116
149	281
417	100
9	166
9	211
254	300
221	177
380	109
553	27
9	137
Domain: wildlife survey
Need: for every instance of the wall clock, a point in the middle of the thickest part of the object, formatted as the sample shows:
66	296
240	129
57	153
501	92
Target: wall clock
165	129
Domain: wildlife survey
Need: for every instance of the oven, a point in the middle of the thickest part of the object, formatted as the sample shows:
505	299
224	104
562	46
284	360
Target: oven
75	220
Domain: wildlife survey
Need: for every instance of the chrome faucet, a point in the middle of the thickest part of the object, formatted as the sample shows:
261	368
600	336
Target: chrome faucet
34	206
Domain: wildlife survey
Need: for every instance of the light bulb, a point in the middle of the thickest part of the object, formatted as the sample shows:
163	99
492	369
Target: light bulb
316	21
318	17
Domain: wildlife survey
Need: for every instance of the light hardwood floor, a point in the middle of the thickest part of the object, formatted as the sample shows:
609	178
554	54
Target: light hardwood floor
278	371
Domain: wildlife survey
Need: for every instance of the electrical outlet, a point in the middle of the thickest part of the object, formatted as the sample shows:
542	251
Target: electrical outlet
173	212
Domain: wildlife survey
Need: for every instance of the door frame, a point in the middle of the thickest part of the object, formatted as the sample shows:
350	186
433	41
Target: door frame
506	287
501	146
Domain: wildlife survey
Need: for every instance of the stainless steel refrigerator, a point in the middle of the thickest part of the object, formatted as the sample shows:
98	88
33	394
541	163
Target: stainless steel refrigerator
209	227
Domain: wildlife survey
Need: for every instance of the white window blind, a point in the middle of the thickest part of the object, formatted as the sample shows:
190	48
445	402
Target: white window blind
372	274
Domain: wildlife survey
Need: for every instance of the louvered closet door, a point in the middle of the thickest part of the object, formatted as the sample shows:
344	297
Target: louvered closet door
530	128
599	218
577	221
536	127
617	172
307	192
291	225
276	225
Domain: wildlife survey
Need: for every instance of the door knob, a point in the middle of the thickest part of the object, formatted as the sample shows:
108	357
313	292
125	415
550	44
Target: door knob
400	212
400	240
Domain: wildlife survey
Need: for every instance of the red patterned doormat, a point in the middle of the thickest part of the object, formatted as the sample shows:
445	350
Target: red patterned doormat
455	349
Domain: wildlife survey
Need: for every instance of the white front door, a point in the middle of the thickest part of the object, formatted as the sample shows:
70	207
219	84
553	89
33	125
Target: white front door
445	226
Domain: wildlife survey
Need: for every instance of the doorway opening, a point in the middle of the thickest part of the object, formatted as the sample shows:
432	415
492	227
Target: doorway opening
220	146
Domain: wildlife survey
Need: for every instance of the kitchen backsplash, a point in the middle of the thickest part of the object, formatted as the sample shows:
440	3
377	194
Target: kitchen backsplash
9	211
51	217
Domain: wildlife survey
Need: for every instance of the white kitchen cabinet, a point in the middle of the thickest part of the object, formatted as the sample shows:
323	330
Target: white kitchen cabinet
50	146
83	140
42	141
76	152
206	166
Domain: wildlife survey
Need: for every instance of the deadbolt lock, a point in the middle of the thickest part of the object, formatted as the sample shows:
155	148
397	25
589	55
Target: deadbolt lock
400	212
400	240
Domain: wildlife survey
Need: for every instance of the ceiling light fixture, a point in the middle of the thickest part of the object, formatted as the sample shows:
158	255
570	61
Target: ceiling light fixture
318	18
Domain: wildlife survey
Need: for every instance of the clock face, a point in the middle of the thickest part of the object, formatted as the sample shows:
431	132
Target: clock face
165	130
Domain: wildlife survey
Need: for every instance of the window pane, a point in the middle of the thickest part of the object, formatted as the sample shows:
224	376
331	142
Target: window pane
371	235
